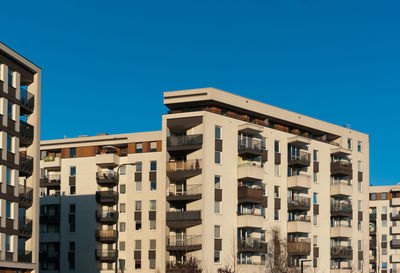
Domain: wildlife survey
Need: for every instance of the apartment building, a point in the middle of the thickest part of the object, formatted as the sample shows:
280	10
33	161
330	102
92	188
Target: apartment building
221	175
384	217
19	141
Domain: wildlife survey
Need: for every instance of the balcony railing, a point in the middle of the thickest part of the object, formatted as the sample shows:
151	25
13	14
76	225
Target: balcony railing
106	235
25	226
300	159
26	131
24	256
182	166
52	180
25	196
27	99
251	244
25	163
105	255
107	216
184	243
394	216
299	246
107	197
249	147
189	193
301	218
341	168
107	178
299	203
189	142
341	252
181	219
249	195
345	210
49	219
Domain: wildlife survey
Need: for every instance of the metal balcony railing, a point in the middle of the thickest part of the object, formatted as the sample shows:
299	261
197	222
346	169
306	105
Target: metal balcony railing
183	240
185	190
27	99
181	166
189	140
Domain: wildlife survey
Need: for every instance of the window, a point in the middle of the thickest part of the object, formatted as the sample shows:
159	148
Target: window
217	206
315	240
71	217
359	146
122	171
152	224
138	185
263	143
315	262
8	245
153	185
384	265
138	205
384	251
152	244
315	220
359	186
349	143
11	74
8	176
72	208
359	205
122	264
152	205
217	132
218	157
315	198
122	246
276	170
384	195
10	110
359	166
315	155
217	182
276	191
122	226
72	171
9	143
138	225
139	167
384	210
8	210
138	244
153	146
359	225
276	215
122	208
139	147
384	223
152	264
217	256
315	177
276	146
217	232
122	189
138	264
384	237
72	246
359	245
72	190
153	165
72	152
373	196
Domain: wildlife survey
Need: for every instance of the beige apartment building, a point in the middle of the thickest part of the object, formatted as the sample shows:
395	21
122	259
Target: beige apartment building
384	217
19	141
221	175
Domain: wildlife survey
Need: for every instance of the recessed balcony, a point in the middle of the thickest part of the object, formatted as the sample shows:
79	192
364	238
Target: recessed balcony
184	193
249	219
300	225
27	100
250	171
26	134
342	188
25	165
107	160
50	181
103	255
183	219
250	195
187	143
107	197
106	235
250	244
107	179
341	232
249	147
300	182
299	203
184	243
25	196
342	252
300	160
299	246
341	168
341	210
182	170
107	217
25	227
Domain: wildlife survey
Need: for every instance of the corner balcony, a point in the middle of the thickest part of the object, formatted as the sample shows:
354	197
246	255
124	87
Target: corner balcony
52	162
107	160
299	246
301	181
50	181
25	165
27	100
182	170
249	219
249	195
25	196
395	202
183	219
342	252
189	194
107	256
249	147
341	188
299	203
395	230
106	235
184	243
107	197
26	134
187	143
25	227
107	179
299	225
251	245
250	171
342	210
299	161
341	168
107	217
341	232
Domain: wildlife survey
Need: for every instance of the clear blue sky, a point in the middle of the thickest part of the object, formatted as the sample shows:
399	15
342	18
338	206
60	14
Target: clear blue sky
106	63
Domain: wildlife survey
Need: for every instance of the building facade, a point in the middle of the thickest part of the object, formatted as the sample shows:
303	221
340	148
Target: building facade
222	175
20	147
384	220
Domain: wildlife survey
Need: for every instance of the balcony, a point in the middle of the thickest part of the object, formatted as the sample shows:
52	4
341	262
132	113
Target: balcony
342	210
107	197
395	202
184	243
302	159
299	141
251	245
182	170
395	258
103	255
299	203
26	134
49	219
107	217
395	244
300	182
27	100
107	160
25	165
249	219
299	246
52	162
341	168
372	216
183	219
24	227
187	143
250	171
25	196
341	232
395	230
106	235
341	188
249	195
342	252
24	256
395	216
49	256
300	225
249	147
50	181
107	179
251	129
187	193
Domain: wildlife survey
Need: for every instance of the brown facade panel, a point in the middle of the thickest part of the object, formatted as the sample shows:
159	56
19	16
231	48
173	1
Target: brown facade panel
146	147
153	176
218	145
316	166
360	216
316	209
138	215
278	158
87	151
159	146
138	176
264	155
152	215
217	244
131	148
277	203
218	194
65	153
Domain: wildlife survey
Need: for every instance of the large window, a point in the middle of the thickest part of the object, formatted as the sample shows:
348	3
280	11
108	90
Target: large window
218	157
72	152
153	165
